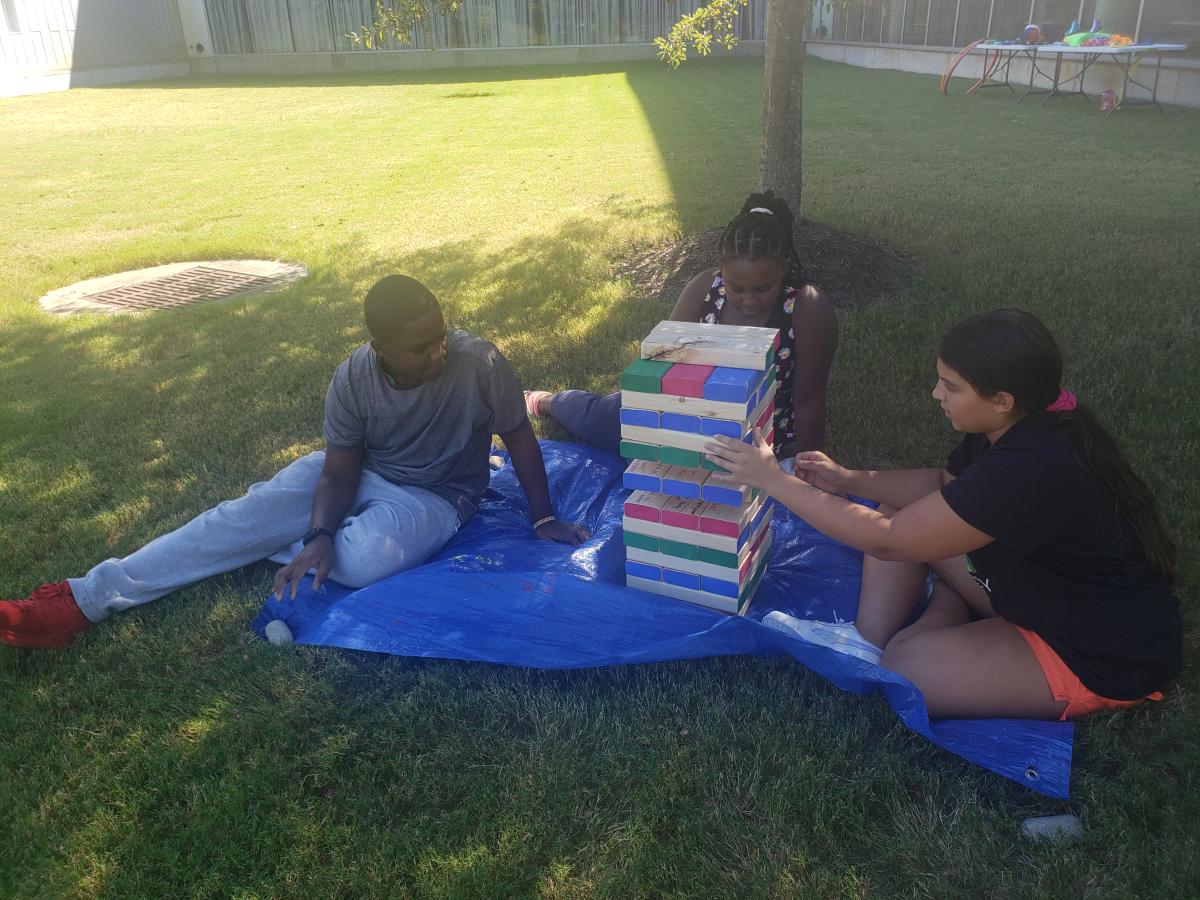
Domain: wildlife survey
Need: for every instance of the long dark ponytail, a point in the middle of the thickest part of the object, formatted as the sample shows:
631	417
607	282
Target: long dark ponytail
1011	350
754	233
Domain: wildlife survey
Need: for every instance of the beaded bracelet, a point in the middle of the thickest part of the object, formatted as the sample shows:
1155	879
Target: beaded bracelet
543	520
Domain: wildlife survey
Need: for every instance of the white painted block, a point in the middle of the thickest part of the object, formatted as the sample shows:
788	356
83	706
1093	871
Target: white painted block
738	346
700	598
689	406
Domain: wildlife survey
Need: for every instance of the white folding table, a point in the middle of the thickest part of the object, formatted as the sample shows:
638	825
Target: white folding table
1127	58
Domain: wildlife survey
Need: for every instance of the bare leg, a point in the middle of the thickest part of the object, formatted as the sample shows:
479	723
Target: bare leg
969	669
890	592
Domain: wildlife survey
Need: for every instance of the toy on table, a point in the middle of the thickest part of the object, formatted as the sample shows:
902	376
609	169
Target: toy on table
690	531
1031	35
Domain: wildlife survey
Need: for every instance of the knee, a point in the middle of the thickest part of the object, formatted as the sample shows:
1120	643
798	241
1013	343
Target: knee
902	654
360	563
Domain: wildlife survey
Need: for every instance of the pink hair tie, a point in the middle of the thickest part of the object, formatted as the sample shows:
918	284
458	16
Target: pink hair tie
1064	403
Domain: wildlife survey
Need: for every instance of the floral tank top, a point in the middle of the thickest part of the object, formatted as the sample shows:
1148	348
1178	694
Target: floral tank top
785	357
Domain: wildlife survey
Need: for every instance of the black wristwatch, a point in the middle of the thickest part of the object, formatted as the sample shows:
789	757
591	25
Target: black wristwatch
315	532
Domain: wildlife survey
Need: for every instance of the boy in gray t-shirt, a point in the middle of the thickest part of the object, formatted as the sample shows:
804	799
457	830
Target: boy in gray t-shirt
409	419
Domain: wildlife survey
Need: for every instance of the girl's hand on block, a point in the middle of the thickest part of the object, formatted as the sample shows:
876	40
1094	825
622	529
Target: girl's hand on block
815	468
751	464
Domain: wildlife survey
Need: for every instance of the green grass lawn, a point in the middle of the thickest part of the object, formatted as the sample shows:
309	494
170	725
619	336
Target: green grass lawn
173	754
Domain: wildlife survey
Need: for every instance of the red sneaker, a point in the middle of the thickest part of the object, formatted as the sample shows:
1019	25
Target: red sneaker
49	618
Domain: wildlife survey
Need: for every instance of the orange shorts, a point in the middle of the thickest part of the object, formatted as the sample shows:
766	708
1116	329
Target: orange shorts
1065	684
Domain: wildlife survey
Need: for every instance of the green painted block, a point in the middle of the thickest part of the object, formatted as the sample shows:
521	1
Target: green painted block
644	375
675	457
706	463
682	551
641	541
719	558
772	373
631	450
770	357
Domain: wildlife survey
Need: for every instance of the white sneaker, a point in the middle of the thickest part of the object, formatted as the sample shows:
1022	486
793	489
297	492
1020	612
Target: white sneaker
841	637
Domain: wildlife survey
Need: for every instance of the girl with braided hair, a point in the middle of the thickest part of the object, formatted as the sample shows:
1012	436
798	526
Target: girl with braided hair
1051	592
759	281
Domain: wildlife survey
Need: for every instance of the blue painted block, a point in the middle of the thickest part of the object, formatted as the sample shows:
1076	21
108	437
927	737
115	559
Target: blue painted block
688	489
721	426
754	523
636	481
645	417
715	493
719	587
731	385
677	422
641	570
681	579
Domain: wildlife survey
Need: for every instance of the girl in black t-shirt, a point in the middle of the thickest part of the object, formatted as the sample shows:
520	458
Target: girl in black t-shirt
1051	590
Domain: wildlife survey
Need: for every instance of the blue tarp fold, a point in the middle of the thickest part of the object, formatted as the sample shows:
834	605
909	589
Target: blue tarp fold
495	594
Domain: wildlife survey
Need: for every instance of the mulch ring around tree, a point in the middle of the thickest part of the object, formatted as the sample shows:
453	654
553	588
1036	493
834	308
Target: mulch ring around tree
852	270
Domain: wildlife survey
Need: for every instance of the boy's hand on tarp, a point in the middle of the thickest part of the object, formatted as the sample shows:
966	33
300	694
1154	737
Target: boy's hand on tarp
563	532
317	554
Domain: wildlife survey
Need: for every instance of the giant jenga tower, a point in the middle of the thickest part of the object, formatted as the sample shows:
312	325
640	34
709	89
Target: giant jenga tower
691	532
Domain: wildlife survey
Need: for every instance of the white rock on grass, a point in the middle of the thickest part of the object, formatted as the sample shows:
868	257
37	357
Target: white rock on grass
277	632
1053	828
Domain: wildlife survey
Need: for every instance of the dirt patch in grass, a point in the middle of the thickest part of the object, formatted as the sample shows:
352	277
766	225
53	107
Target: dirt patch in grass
852	270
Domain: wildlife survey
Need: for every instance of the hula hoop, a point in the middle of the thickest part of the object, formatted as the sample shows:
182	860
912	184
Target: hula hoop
954	63
988	69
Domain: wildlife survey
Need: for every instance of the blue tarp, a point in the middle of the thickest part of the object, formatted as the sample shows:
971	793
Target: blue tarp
496	594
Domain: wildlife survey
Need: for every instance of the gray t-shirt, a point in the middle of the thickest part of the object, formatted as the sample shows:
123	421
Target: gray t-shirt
436	435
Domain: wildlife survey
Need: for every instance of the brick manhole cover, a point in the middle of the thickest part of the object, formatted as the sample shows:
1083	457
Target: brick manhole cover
173	285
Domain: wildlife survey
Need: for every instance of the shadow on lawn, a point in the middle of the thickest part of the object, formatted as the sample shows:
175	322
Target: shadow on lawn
170	412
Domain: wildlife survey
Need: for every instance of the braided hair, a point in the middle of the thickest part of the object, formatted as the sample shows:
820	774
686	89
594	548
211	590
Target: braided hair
752	235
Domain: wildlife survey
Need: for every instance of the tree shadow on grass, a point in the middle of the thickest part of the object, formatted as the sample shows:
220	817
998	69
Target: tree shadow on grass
117	428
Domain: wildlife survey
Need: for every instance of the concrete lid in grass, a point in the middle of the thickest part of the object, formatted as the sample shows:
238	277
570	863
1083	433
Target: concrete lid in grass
172	285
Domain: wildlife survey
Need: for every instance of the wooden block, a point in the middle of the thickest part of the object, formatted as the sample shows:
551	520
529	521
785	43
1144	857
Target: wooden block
644	375
642	475
680	535
679	512
681	482
680	440
722	488
678	549
677	422
769	385
645	505
732	385
681	579
700	598
736	574
729	521
683	380
647	418
765	416
707	463
695	406
634	450
641	570
728	427
678	457
644	542
697	343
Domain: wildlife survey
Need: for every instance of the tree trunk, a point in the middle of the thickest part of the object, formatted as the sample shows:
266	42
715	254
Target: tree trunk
783	94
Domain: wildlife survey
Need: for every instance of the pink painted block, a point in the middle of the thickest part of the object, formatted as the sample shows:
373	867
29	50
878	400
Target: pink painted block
717	526
683	512
686	380
638	511
680	520
752	556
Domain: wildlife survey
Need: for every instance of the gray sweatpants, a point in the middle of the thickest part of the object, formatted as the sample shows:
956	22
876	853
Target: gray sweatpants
390	528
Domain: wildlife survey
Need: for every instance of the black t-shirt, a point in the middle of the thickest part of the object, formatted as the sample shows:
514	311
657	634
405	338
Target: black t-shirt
1065	563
